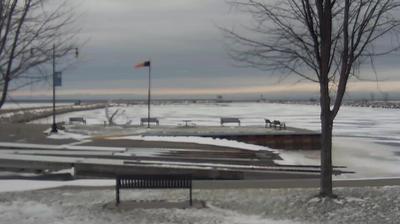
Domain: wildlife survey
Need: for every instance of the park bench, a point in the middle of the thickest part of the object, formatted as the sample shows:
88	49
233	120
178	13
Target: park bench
268	123
229	120
153	182
149	120
278	124
77	119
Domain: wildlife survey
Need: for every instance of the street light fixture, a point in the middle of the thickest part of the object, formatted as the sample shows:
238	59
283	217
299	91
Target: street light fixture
56	82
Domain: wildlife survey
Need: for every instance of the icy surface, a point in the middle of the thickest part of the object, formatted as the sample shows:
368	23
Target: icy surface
378	123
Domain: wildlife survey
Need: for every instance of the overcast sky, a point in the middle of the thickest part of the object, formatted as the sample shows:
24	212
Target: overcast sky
186	49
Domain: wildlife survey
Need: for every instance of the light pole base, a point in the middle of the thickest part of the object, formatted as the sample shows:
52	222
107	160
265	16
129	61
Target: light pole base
54	128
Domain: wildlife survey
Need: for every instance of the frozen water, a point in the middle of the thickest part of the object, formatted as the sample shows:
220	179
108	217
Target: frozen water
351	121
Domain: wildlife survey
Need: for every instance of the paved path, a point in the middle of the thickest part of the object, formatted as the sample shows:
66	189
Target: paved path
293	183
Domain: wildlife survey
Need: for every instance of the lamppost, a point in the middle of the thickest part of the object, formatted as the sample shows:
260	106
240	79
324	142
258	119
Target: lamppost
55	82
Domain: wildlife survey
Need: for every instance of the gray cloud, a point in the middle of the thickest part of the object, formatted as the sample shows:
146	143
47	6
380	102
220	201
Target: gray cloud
180	36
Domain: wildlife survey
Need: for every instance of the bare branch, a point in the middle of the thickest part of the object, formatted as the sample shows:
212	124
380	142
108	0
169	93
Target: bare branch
28	29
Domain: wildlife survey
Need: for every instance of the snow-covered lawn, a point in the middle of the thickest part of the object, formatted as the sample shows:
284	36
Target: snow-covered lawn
251	206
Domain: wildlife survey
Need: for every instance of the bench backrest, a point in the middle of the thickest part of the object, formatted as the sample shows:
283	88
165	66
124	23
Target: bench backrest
230	120
276	122
151	120
154	181
76	119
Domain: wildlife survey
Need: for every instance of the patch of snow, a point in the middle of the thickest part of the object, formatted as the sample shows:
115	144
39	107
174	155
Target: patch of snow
234	217
65	135
28	185
198	140
356	154
314	200
353	199
300	157
67	146
70	171
61	159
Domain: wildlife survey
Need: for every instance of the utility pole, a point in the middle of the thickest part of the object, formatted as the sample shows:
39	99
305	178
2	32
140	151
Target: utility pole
56	80
149	98
54	126
141	65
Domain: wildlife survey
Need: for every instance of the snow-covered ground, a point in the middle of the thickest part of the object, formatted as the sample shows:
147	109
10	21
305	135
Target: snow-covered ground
366	140
241	206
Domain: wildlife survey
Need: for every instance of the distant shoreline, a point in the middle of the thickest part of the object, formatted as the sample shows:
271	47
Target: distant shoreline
392	104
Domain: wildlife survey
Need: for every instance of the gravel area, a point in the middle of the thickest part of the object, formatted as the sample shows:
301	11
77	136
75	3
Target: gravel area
282	206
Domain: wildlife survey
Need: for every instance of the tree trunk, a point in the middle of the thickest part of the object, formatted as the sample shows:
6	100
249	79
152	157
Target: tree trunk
326	144
4	93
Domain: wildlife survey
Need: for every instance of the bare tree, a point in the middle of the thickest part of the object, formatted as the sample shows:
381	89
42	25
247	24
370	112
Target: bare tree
324	41
114	115
28	30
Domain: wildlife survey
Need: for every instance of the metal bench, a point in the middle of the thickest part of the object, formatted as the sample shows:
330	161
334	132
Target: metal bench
77	119
229	120
268	123
146	120
153	182
278	124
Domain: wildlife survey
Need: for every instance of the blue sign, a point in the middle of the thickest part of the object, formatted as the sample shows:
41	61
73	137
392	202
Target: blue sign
57	79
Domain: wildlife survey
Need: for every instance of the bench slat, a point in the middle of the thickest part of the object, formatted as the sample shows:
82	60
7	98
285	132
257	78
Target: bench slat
230	120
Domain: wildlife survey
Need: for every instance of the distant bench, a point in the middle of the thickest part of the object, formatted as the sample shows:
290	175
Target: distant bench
77	119
149	120
278	124
268	123
275	124
229	120
153	182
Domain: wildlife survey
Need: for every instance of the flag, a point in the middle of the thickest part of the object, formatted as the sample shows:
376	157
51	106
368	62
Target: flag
143	64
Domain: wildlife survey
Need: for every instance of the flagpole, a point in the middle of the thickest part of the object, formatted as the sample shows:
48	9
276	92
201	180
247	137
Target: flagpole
149	97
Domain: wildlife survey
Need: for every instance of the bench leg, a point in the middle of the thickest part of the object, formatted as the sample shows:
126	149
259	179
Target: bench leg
190	197
117	192
117	197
